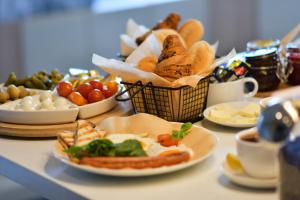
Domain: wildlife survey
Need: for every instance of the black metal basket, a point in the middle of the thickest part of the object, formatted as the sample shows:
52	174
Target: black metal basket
182	104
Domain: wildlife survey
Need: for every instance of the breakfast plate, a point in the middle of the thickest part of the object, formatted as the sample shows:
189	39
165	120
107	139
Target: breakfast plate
244	179
239	114
201	142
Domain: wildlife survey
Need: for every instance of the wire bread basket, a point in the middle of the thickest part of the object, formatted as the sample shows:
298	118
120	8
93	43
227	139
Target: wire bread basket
181	104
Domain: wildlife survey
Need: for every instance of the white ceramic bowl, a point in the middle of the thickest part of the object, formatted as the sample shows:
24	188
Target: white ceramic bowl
97	108
38	116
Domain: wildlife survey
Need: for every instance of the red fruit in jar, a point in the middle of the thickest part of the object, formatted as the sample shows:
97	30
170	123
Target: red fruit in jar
84	89
95	95
113	86
64	89
96	84
77	99
107	93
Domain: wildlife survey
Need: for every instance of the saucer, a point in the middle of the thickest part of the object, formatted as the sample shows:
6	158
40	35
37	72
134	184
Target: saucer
244	179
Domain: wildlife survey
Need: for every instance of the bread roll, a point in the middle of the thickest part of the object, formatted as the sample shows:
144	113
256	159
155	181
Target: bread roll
191	31
174	61
163	33
203	57
148	63
170	22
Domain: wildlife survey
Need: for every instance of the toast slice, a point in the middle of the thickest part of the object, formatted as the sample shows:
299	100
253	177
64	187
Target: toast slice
86	132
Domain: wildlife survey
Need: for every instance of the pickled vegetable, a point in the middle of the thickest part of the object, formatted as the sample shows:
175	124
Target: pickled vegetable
11	79
40	80
3	96
13	92
23	91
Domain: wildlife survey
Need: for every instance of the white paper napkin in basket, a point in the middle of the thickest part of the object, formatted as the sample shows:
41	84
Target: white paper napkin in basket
130	73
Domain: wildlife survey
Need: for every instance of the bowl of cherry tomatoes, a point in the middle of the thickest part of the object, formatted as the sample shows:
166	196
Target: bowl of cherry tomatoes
93	97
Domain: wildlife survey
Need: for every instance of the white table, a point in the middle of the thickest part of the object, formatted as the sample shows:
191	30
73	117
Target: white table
30	163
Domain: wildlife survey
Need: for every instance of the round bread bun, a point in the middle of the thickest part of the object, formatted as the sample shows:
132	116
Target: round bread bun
148	63
203	57
191	31
161	35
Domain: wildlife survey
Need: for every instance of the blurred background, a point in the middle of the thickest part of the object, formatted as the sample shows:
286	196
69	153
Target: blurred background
46	34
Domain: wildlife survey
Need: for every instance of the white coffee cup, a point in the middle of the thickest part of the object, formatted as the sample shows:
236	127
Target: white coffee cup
257	159
230	91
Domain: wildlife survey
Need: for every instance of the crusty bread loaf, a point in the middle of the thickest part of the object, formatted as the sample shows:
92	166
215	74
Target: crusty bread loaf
170	22
163	33
174	61
191	31
148	63
203	57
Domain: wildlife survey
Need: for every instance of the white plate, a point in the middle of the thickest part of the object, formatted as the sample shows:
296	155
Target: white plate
97	108
235	104
149	171
37	117
244	179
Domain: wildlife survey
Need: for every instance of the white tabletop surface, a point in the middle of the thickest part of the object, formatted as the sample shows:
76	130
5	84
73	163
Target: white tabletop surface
30	163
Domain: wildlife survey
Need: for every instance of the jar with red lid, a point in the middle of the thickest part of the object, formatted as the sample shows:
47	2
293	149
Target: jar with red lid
293	62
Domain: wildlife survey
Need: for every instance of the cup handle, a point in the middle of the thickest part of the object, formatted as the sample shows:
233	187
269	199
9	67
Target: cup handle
255	90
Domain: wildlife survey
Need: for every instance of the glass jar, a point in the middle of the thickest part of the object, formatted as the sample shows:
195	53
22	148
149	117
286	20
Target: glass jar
261	44
293	62
264	67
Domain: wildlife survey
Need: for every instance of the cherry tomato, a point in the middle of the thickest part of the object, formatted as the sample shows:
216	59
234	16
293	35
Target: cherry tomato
171	142
95	95
84	89
96	84
64	88
107	93
163	137
167	140
113	86
77	99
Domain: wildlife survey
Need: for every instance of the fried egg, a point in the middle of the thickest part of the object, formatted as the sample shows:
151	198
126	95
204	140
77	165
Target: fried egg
150	145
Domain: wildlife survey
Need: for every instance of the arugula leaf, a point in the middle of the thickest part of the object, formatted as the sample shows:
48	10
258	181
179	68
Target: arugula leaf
130	147
100	147
105	147
75	151
185	129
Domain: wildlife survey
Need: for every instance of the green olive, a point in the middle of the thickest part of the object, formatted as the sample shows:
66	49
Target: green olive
11	79
3	96
13	92
23	91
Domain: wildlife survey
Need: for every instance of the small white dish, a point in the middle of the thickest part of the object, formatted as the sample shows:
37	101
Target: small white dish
236	105
97	108
37	117
244	179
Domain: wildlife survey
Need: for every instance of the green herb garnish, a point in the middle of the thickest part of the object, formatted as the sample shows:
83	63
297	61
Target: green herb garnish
184	130
105	147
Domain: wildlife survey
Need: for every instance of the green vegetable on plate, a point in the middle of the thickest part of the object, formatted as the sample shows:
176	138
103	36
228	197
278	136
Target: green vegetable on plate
184	130
105	147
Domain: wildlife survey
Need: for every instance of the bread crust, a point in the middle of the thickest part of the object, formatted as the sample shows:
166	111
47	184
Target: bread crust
203	57
191	31
148	63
